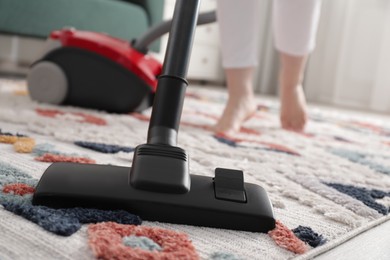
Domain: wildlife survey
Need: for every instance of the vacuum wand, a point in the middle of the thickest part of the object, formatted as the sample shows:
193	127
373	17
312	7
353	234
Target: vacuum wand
159	165
172	84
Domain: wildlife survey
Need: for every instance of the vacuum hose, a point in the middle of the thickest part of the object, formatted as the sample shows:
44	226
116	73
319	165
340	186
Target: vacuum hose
141	44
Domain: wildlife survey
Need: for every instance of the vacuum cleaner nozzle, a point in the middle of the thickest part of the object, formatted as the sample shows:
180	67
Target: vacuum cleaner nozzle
221	202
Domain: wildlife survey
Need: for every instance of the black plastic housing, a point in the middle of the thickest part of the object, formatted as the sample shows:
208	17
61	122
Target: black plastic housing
160	168
106	187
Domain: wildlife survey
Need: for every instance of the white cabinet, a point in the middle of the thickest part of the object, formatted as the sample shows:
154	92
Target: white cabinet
17	53
205	63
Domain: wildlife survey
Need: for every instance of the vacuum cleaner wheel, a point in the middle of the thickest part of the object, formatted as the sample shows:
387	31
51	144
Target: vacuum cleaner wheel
47	83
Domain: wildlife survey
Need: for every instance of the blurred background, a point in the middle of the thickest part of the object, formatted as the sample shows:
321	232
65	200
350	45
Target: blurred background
350	66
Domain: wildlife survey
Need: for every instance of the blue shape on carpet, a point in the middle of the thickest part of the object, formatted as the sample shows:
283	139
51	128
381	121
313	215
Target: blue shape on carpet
275	150
307	235
223	256
226	141
41	149
364	195
63	222
50	219
379	194
87	215
141	242
361	159
10	134
104	148
341	139
235	145
9	174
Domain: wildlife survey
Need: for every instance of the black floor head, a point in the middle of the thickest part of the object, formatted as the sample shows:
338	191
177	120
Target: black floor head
107	187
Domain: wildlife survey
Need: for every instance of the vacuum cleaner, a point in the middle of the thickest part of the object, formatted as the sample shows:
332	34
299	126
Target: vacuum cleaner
95	70
158	186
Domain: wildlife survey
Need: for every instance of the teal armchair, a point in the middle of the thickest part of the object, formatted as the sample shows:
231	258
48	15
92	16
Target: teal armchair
126	19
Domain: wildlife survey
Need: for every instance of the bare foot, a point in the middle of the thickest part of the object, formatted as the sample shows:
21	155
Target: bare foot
237	111
293	114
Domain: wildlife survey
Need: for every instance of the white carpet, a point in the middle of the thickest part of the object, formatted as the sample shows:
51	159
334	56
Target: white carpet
307	176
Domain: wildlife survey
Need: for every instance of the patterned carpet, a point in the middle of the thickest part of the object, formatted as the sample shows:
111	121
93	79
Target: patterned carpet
326	185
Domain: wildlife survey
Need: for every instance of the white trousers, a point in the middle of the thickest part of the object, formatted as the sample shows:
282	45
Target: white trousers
295	25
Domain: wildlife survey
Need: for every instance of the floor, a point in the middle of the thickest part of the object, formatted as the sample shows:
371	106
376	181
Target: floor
371	245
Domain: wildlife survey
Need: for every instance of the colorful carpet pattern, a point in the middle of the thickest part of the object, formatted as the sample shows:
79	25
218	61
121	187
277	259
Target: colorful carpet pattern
325	184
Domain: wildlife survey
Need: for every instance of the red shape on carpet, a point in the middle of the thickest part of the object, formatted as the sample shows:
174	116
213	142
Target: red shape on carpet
272	146
85	118
18	189
105	239
140	117
285	238
48	112
48	157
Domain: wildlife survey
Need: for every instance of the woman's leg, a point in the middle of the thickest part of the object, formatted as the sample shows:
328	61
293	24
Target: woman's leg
241	104
238	24
295	24
293	114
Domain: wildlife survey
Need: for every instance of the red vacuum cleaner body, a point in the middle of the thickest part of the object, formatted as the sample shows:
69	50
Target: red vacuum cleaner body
93	70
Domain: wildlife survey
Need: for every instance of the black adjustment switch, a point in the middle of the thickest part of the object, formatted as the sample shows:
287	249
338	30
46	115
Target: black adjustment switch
229	185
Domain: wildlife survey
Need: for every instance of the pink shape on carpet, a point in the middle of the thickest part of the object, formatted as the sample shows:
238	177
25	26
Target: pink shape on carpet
85	117
369	126
196	125
269	145
279	147
194	96
18	189
48	157
200	113
105	239
247	130
48	112
140	117
91	119
285	238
